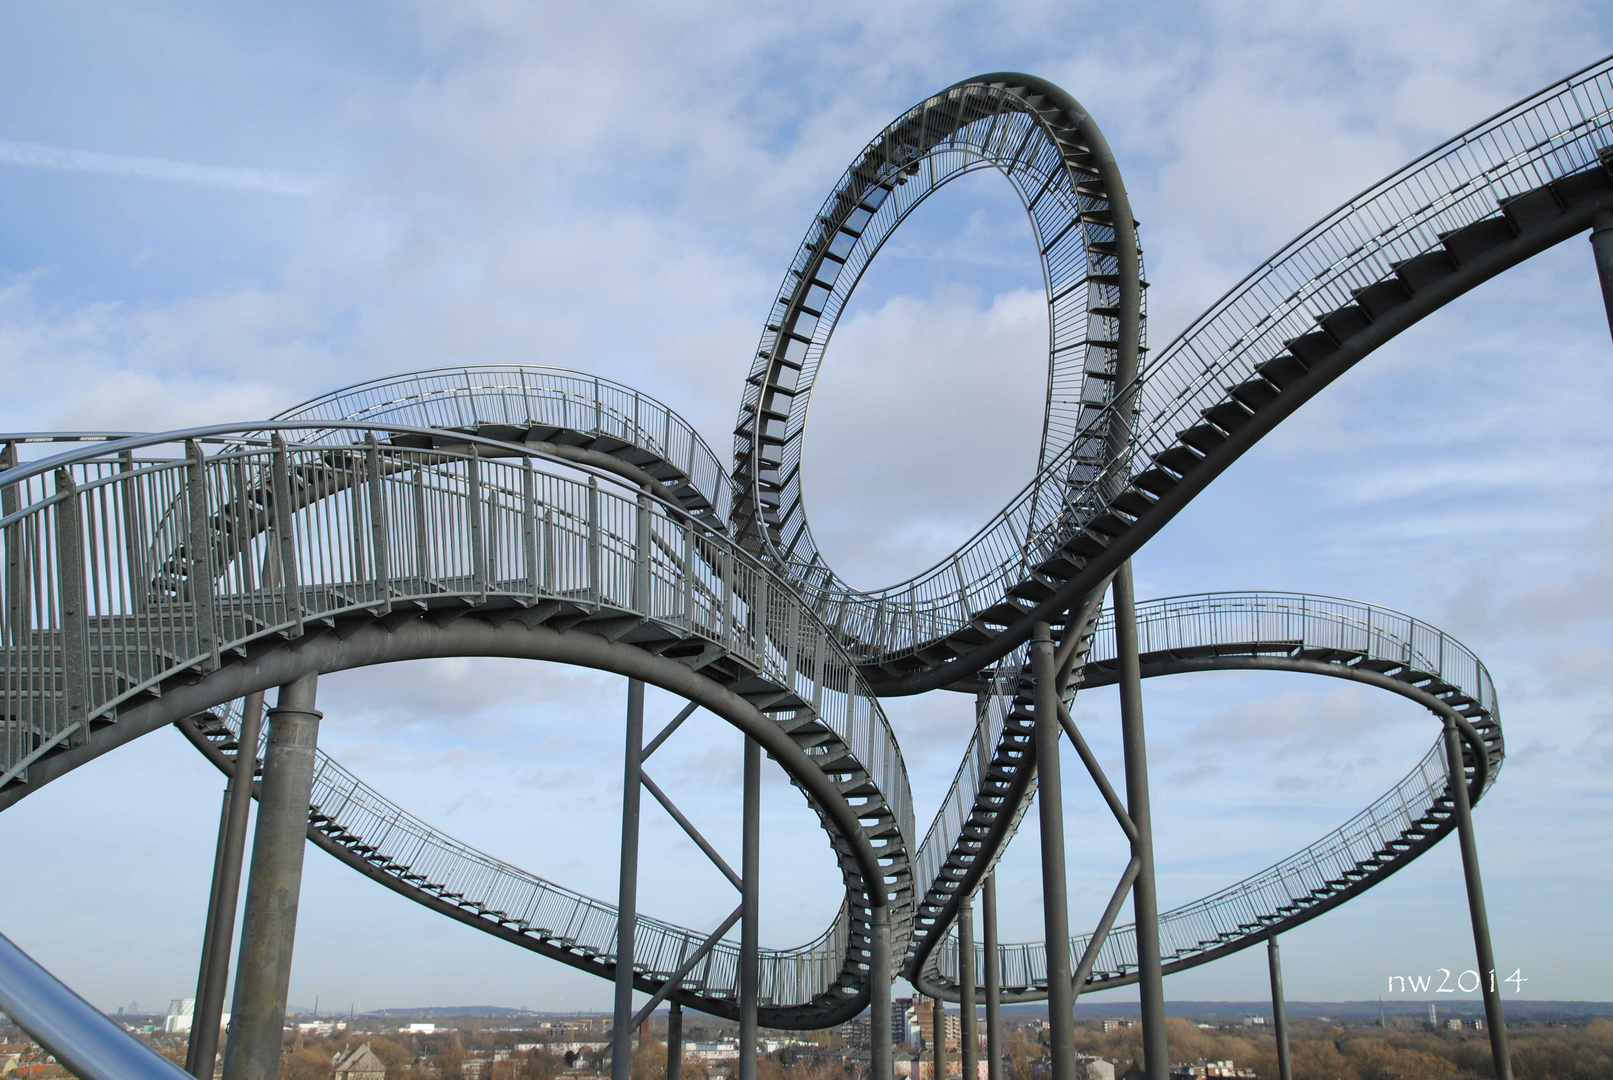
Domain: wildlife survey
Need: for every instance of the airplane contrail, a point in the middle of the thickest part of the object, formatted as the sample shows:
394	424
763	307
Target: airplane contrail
39	156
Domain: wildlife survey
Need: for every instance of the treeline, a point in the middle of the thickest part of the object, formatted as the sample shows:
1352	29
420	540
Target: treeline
1326	1052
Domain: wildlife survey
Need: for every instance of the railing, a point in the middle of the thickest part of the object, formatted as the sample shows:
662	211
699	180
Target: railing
1553	134
520	396
398	843
965	128
255	541
1272	623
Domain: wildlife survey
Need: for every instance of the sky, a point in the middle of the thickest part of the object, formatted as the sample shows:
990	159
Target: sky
211	213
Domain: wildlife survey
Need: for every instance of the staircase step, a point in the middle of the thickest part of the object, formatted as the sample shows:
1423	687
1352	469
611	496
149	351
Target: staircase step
1282	371
1421	271
1471	241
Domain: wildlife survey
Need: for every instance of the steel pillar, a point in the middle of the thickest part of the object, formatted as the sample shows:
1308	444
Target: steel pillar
1279	1009
269	927
1602	250
750	871
969	1052
621	1060
1145	902
1055	898
880	1066
938	1028
202	1052
994	992
674	1042
1462	808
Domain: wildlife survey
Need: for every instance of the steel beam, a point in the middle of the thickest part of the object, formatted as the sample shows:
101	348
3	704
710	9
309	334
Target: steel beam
263	973
1055	899
969	1052
674	1042
1602	250
621	1061
83	1039
880	1064
938	1029
1462	809
750	871
994	998
1145	901
269	663
1279	1009
208	1017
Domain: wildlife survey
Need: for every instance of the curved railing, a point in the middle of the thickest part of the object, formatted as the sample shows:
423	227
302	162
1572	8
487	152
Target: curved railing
1037	139
120	572
420	857
1553	134
522	398
262	541
1282	625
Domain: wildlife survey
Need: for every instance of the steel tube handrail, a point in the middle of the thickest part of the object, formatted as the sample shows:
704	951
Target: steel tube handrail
87	1042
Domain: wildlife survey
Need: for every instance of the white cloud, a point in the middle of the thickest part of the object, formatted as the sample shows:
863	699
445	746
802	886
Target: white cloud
63	159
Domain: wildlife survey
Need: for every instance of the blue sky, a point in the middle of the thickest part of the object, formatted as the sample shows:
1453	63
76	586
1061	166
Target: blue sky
212	213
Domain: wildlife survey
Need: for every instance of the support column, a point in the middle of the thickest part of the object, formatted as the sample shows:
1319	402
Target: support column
1279	1009
969	1054
269	927
750	871
938	1027
1602	249
202	1052
879	1000
1055	899
621	1060
1145	902
1462	808
994	992
674	1042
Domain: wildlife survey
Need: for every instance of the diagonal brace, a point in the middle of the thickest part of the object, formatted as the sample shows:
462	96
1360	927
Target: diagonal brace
1090	957
666	732
684	968
688	827
1090	760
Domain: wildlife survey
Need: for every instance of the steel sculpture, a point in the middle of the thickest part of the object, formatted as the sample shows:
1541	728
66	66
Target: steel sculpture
542	514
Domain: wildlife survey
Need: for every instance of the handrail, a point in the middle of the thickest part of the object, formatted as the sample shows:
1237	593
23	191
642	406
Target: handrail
87	1042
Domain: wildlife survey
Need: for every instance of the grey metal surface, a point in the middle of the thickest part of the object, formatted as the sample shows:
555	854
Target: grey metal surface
201	1052
1145	905
621	1061
994	1004
1055	879
88	1043
1602	252
1489	981
274	887
750	874
1279	1009
968	1020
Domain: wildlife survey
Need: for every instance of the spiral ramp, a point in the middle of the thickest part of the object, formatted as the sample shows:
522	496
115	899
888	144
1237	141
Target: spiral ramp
528	512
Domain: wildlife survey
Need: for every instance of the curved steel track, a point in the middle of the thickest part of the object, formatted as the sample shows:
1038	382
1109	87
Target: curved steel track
521	511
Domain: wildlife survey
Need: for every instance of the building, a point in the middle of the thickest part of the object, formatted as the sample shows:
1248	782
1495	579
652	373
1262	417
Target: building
902	1029
1254	1021
1210	1070
921	1021
360	1064
181	1011
1093	1068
